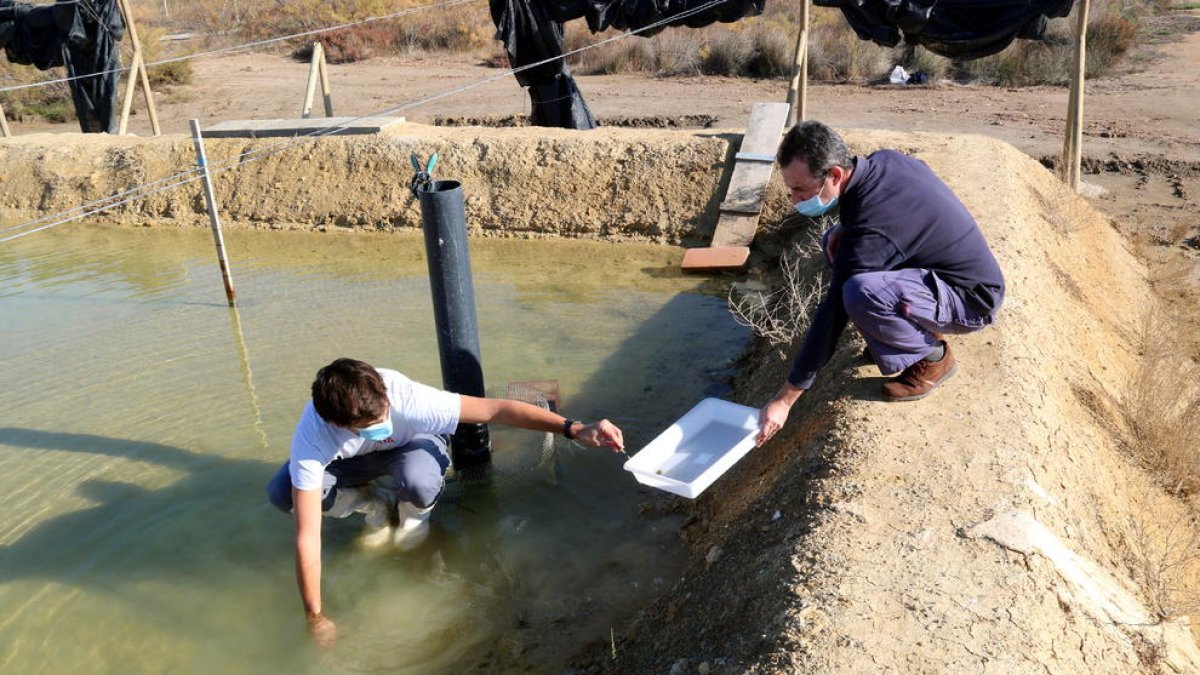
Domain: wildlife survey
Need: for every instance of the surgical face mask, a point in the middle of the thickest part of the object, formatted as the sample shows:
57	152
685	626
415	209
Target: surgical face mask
813	206
376	432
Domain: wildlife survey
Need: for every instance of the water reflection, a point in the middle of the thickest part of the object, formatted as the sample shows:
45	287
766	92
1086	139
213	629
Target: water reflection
143	418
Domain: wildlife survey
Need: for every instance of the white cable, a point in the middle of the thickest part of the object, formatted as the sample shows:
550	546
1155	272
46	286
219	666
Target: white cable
248	45
325	131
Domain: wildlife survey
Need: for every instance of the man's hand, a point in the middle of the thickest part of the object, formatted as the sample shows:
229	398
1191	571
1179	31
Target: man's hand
775	413
829	242
322	630
602	434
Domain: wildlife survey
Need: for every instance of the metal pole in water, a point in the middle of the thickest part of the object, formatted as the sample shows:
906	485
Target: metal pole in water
444	222
211	199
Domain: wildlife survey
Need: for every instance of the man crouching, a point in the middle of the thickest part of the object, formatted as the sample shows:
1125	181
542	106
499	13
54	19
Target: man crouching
364	424
910	266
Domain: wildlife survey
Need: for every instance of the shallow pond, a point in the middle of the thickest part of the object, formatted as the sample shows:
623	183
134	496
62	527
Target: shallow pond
142	418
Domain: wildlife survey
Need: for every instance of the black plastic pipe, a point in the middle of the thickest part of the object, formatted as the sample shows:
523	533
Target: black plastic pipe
445	224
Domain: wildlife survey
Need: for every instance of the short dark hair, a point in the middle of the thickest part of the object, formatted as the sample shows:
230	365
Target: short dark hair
815	144
349	393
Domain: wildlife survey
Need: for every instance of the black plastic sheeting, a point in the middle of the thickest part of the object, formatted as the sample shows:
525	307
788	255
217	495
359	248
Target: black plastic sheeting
532	32
79	34
959	29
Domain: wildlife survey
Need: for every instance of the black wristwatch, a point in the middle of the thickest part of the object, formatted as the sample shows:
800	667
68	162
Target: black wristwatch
567	424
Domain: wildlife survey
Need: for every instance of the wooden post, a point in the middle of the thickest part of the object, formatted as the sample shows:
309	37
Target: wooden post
1072	156
4	130
137	71
317	71
797	96
210	198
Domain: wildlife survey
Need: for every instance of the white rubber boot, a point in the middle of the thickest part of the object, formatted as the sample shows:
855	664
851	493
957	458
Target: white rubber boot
378	509
350	500
413	528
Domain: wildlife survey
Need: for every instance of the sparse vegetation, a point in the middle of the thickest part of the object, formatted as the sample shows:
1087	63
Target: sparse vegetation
759	47
1163	406
782	314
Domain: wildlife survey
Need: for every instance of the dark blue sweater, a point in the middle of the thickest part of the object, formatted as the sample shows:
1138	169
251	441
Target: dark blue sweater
896	214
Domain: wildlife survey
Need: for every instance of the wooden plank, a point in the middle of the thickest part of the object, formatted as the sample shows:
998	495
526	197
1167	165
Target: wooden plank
764	128
747	187
718	259
744	197
735	229
4	130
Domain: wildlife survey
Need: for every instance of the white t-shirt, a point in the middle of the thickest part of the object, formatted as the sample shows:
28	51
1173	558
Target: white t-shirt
417	409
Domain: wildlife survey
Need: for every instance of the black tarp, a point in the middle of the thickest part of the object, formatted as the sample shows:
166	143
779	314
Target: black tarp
532	31
79	34
959	29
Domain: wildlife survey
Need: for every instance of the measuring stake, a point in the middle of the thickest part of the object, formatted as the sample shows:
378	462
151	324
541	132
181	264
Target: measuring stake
211	199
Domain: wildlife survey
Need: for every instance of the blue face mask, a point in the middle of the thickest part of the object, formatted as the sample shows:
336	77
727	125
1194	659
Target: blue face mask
376	432
813	206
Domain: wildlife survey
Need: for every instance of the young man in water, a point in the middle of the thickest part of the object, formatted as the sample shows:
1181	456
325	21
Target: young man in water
365	423
909	266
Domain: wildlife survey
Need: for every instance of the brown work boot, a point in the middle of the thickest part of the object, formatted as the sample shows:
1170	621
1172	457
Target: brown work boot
920	378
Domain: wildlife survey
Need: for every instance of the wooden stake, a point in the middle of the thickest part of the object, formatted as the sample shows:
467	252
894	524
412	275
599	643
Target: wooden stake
797	96
127	101
4	130
1072	156
137	71
210	198
317	71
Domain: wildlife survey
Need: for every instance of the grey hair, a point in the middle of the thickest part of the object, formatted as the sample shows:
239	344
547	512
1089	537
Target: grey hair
815	144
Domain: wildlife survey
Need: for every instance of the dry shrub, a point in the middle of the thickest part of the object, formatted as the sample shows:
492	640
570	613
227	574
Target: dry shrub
51	102
677	53
836	54
1164	555
1024	63
1162	411
782	315
634	55
1109	37
771	53
1163	408
462	28
725	52
350	44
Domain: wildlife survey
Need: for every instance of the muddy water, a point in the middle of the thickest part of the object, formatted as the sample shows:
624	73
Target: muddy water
141	419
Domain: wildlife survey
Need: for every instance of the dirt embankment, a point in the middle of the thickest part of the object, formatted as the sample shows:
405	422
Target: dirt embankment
985	529
645	184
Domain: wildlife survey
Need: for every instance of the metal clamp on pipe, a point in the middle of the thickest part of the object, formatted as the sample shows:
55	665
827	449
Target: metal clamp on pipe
421	179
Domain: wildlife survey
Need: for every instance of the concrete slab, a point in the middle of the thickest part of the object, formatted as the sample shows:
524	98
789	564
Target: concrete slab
315	126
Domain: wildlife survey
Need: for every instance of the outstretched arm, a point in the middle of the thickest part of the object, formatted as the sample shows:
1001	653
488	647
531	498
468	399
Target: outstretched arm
307	505
773	415
477	410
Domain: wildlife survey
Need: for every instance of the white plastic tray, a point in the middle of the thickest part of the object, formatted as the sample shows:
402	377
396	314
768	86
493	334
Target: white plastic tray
697	449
